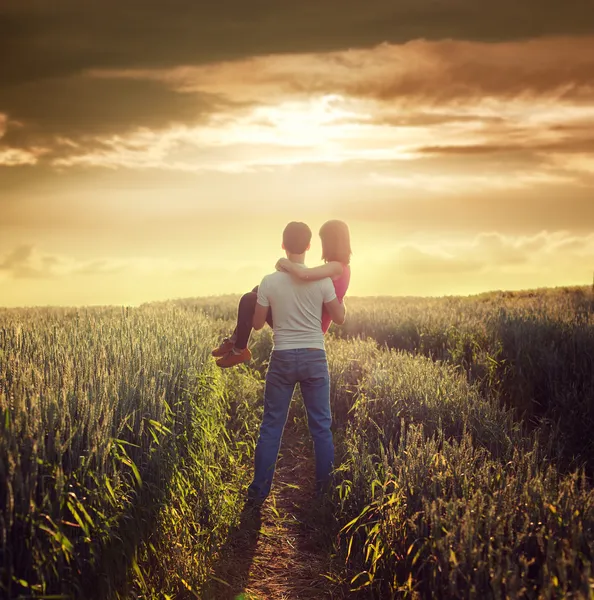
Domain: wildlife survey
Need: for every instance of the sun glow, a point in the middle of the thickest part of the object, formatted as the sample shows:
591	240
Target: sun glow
125	177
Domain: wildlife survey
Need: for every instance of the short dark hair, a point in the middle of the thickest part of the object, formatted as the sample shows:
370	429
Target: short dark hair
336	242
296	237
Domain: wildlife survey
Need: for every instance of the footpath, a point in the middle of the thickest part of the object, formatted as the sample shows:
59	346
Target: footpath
281	551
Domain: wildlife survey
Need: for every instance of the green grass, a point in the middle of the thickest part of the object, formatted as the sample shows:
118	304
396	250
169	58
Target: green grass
123	451
441	495
464	446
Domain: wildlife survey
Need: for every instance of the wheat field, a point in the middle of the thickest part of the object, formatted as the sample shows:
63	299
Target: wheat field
463	426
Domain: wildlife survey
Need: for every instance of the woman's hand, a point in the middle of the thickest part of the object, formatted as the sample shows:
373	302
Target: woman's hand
284	264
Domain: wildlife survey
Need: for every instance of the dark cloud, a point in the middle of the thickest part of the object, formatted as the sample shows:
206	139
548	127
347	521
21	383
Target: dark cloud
451	71
419	76
41	111
583	144
419	83
427	119
52	39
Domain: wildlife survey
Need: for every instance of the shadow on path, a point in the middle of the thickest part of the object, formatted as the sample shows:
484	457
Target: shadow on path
230	577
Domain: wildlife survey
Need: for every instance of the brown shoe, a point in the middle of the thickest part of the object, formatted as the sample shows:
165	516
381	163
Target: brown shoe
231	359
225	347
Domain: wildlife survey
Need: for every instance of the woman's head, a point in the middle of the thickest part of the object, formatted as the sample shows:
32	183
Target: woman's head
336	242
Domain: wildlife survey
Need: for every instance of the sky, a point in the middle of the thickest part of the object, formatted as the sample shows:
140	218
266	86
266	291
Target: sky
153	150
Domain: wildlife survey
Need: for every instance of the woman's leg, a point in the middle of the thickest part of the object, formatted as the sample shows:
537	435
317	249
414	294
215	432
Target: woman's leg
233	336
235	349
245	314
245	318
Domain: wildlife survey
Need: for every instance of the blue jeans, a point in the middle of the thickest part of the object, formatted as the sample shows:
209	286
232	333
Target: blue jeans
309	368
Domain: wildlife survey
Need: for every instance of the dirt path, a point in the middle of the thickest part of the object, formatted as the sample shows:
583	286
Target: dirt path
282	551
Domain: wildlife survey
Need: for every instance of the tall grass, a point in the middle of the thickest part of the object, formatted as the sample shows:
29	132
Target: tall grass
534	352
441	495
463	430
118	439
449	483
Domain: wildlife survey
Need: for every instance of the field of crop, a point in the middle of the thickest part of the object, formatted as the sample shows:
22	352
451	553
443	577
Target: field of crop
465	451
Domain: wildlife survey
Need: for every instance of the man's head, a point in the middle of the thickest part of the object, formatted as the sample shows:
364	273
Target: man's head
296	238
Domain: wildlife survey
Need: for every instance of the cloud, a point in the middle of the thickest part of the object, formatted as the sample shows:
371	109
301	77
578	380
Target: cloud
466	264
30	275
26	261
515	194
375	104
428	265
582	143
53	39
67	112
329	130
412	260
433	72
491	252
12	157
389	102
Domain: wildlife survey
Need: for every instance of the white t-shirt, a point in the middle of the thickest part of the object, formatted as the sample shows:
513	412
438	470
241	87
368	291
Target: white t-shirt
296	309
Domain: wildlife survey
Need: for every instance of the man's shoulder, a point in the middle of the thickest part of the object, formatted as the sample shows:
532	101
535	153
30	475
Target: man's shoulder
275	276
273	279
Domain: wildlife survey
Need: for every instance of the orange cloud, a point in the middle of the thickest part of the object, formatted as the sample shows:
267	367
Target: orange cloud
390	102
434	72
12	157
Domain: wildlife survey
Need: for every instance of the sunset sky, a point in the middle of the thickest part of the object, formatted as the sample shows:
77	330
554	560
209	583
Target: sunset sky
153	150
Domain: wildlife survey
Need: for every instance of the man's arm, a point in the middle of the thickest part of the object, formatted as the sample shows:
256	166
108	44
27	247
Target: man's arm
260	314
336	310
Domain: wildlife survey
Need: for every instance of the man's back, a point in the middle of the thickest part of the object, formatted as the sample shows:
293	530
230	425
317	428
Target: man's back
296	309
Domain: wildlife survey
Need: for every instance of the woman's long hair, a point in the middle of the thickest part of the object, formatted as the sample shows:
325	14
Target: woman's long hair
336	242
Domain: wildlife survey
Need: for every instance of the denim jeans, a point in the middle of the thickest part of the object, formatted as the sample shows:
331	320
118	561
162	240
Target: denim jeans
309	368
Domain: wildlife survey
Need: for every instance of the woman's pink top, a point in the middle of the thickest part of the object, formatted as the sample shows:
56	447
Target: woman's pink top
341	285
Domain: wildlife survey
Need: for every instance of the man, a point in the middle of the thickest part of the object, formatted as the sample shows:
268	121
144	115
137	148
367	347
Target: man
298	356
